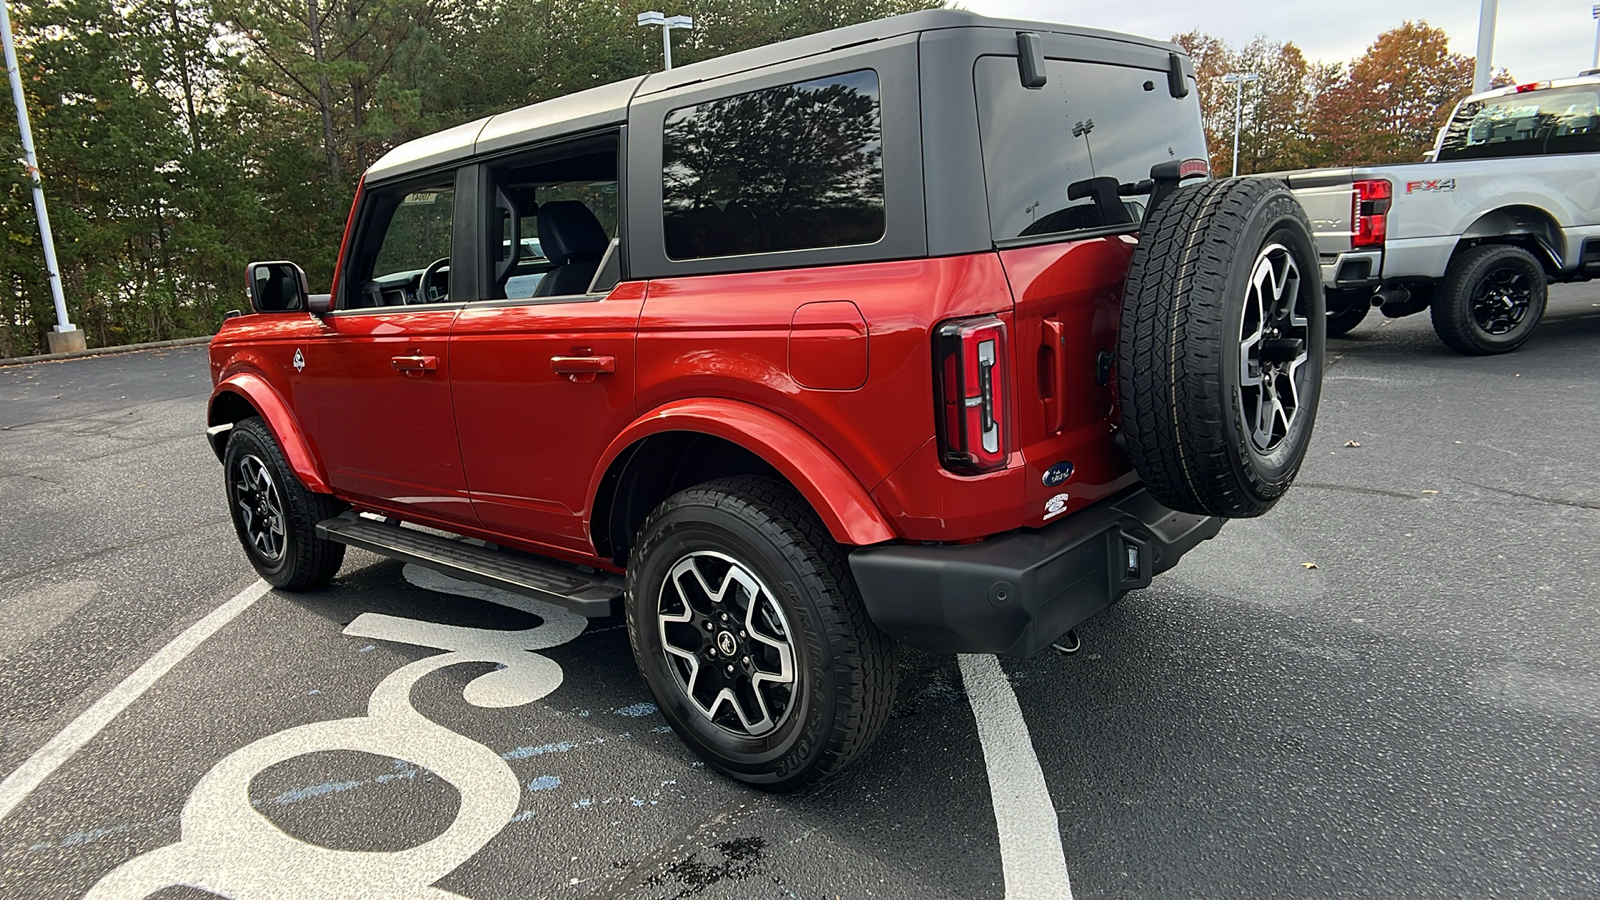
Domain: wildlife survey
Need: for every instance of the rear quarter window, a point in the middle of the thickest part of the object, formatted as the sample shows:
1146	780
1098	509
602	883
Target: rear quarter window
1043	149
794	167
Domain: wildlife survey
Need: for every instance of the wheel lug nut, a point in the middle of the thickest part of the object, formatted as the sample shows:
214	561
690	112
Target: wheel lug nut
710	627
745	660
742	635
730	670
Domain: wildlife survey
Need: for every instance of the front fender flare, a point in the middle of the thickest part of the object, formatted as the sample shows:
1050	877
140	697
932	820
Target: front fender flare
280	420
845	507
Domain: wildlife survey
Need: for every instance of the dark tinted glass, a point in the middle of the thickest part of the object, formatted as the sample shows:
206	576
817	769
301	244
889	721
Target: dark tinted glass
1562	120
1054	157
787	168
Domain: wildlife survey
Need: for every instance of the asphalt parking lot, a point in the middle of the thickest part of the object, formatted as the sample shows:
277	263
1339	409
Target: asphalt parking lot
1388	686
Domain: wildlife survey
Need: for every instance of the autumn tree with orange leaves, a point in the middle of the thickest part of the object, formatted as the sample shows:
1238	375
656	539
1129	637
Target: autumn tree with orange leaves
1392	101
1384	107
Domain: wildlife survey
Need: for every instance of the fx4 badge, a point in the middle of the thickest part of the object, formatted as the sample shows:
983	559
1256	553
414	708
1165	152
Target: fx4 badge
1437	185
299	361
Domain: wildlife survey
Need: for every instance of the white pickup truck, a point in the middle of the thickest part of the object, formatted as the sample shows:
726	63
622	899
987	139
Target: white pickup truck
1509	202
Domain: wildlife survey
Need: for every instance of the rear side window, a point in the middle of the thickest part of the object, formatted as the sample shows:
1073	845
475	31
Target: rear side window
787	168
1561	120
1054	157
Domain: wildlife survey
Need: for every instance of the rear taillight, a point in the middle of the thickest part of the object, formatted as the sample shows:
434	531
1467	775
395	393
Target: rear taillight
970	366
1369	213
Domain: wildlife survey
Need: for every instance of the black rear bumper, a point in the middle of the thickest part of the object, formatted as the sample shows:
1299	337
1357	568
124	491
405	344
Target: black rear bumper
1016	593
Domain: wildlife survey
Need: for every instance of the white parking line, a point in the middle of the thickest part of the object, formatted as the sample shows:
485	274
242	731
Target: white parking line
20	783
1031	858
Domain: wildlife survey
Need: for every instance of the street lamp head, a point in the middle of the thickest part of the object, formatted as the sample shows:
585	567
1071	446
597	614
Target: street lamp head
652	18
679	22
1236	77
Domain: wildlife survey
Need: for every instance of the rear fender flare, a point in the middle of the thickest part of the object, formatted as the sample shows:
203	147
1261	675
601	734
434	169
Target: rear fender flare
845	507
280	420
1519	221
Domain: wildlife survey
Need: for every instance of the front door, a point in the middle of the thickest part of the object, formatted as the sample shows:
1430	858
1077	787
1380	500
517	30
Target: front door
379	376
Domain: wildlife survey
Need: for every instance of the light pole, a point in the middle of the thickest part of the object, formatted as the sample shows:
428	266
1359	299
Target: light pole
667	24
66	335
1595	11
1481	69
1238	79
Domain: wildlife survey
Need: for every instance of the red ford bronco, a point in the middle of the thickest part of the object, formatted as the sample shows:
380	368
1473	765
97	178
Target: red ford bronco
911	331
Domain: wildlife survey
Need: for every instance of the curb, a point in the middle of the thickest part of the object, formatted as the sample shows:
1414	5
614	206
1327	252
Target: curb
103	351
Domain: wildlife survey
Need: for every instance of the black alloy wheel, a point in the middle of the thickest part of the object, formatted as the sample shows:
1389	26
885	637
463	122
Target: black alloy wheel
1347	309
259	505
273	513
1492	299
1501	300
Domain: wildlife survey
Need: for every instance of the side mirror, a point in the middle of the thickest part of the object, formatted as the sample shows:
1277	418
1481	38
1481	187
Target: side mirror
276	286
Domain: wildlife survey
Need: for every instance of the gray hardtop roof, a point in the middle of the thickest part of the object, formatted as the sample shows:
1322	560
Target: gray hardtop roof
608	105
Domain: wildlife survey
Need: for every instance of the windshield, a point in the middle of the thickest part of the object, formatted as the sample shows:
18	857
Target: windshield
1559	120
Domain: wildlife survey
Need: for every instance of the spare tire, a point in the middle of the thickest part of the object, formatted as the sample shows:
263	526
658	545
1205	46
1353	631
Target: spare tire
1220	354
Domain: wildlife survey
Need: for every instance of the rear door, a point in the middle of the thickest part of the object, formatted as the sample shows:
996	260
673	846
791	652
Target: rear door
543	370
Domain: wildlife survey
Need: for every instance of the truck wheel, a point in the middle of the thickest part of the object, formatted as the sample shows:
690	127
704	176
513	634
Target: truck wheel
1492	299
274	514
1346	310
1220	353
746	624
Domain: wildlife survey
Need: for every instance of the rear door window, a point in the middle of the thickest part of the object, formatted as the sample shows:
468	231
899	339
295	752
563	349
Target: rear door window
794	167
1054	157
1560	120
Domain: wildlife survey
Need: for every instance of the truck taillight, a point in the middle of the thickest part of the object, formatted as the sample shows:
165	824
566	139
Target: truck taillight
973	391
1369	213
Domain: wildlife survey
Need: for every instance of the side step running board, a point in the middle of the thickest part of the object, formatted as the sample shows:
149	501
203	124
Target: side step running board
588	594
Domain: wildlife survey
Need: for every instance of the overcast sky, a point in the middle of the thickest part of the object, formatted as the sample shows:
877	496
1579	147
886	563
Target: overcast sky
1535	39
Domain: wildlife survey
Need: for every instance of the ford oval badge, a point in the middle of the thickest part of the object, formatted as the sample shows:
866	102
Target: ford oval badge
1057	474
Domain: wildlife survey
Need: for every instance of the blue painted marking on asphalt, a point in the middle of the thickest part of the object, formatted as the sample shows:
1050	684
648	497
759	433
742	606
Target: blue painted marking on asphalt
545	783
636	710
542	749
368	648
94	834
306	793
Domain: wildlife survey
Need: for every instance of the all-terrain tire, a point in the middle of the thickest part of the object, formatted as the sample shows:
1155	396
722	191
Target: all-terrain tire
1196	430
720	538
1491	300
1356	307
261	487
